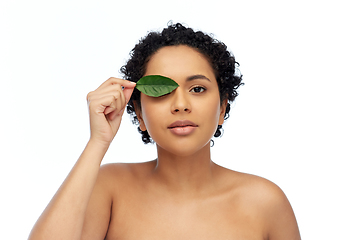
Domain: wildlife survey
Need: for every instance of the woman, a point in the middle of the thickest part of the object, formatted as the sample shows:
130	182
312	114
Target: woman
182	194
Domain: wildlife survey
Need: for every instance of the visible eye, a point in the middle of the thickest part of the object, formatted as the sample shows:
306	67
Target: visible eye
198	89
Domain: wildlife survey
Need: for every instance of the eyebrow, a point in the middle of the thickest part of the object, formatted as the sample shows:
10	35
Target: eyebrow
197	76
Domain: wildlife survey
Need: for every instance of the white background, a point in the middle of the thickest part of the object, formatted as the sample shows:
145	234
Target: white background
295	122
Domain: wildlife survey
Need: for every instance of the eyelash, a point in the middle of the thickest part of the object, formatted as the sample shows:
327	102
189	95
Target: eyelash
198	87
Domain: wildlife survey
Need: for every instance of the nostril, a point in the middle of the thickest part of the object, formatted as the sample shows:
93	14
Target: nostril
178	110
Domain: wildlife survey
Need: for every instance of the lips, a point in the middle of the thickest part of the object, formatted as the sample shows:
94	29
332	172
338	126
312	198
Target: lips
182	127
182	123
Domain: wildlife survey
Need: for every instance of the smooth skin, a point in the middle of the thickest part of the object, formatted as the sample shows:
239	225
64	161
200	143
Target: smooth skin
182	194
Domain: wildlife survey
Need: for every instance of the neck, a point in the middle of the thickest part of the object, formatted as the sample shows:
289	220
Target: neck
189	173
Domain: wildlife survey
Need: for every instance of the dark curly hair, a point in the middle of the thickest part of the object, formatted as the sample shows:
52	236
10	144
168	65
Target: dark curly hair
222	61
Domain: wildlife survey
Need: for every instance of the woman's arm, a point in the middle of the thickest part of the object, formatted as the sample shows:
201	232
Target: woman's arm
64	216
282	224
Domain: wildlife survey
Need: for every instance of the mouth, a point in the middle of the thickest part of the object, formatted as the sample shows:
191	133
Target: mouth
182	124
182	128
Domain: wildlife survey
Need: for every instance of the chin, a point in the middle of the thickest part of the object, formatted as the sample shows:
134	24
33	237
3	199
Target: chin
184	148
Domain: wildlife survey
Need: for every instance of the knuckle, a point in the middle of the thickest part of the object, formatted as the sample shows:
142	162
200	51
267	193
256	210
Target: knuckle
91	103
91	106
113	80
88	96
117	94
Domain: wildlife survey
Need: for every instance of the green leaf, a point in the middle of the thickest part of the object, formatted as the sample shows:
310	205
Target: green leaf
156	85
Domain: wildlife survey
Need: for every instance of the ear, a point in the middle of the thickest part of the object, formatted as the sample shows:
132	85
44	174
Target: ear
139	116
222	111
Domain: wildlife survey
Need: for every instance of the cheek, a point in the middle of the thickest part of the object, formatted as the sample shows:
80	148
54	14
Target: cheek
210	111
151	115
146	115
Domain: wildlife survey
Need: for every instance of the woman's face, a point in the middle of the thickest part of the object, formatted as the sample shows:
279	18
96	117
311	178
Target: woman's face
185	120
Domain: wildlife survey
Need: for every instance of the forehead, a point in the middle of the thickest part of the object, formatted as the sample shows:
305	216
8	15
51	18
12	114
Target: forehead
175	61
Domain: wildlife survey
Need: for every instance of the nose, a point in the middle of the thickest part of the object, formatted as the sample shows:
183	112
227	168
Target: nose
180	102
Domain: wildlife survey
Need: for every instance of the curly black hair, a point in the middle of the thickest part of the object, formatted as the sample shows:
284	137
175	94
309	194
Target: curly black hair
222	61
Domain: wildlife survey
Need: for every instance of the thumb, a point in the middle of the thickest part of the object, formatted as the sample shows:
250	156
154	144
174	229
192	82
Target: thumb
128	90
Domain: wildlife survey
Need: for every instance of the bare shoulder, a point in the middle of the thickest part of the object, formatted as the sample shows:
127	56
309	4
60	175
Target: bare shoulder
265	200
261	190
126	173
254	187
113	179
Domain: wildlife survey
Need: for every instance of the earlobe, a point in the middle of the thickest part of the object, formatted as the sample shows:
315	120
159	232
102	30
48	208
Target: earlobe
223	111
142	124
139	116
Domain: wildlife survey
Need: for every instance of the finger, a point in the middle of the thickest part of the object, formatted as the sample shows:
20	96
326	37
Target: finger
120	96
113	87
123	99
103	105
128	84
120	105
128	92
116	92
105	90
121	82
113	107
113	84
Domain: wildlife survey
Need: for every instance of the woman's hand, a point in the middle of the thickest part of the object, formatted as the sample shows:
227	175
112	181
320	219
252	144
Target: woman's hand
106	107
61	220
